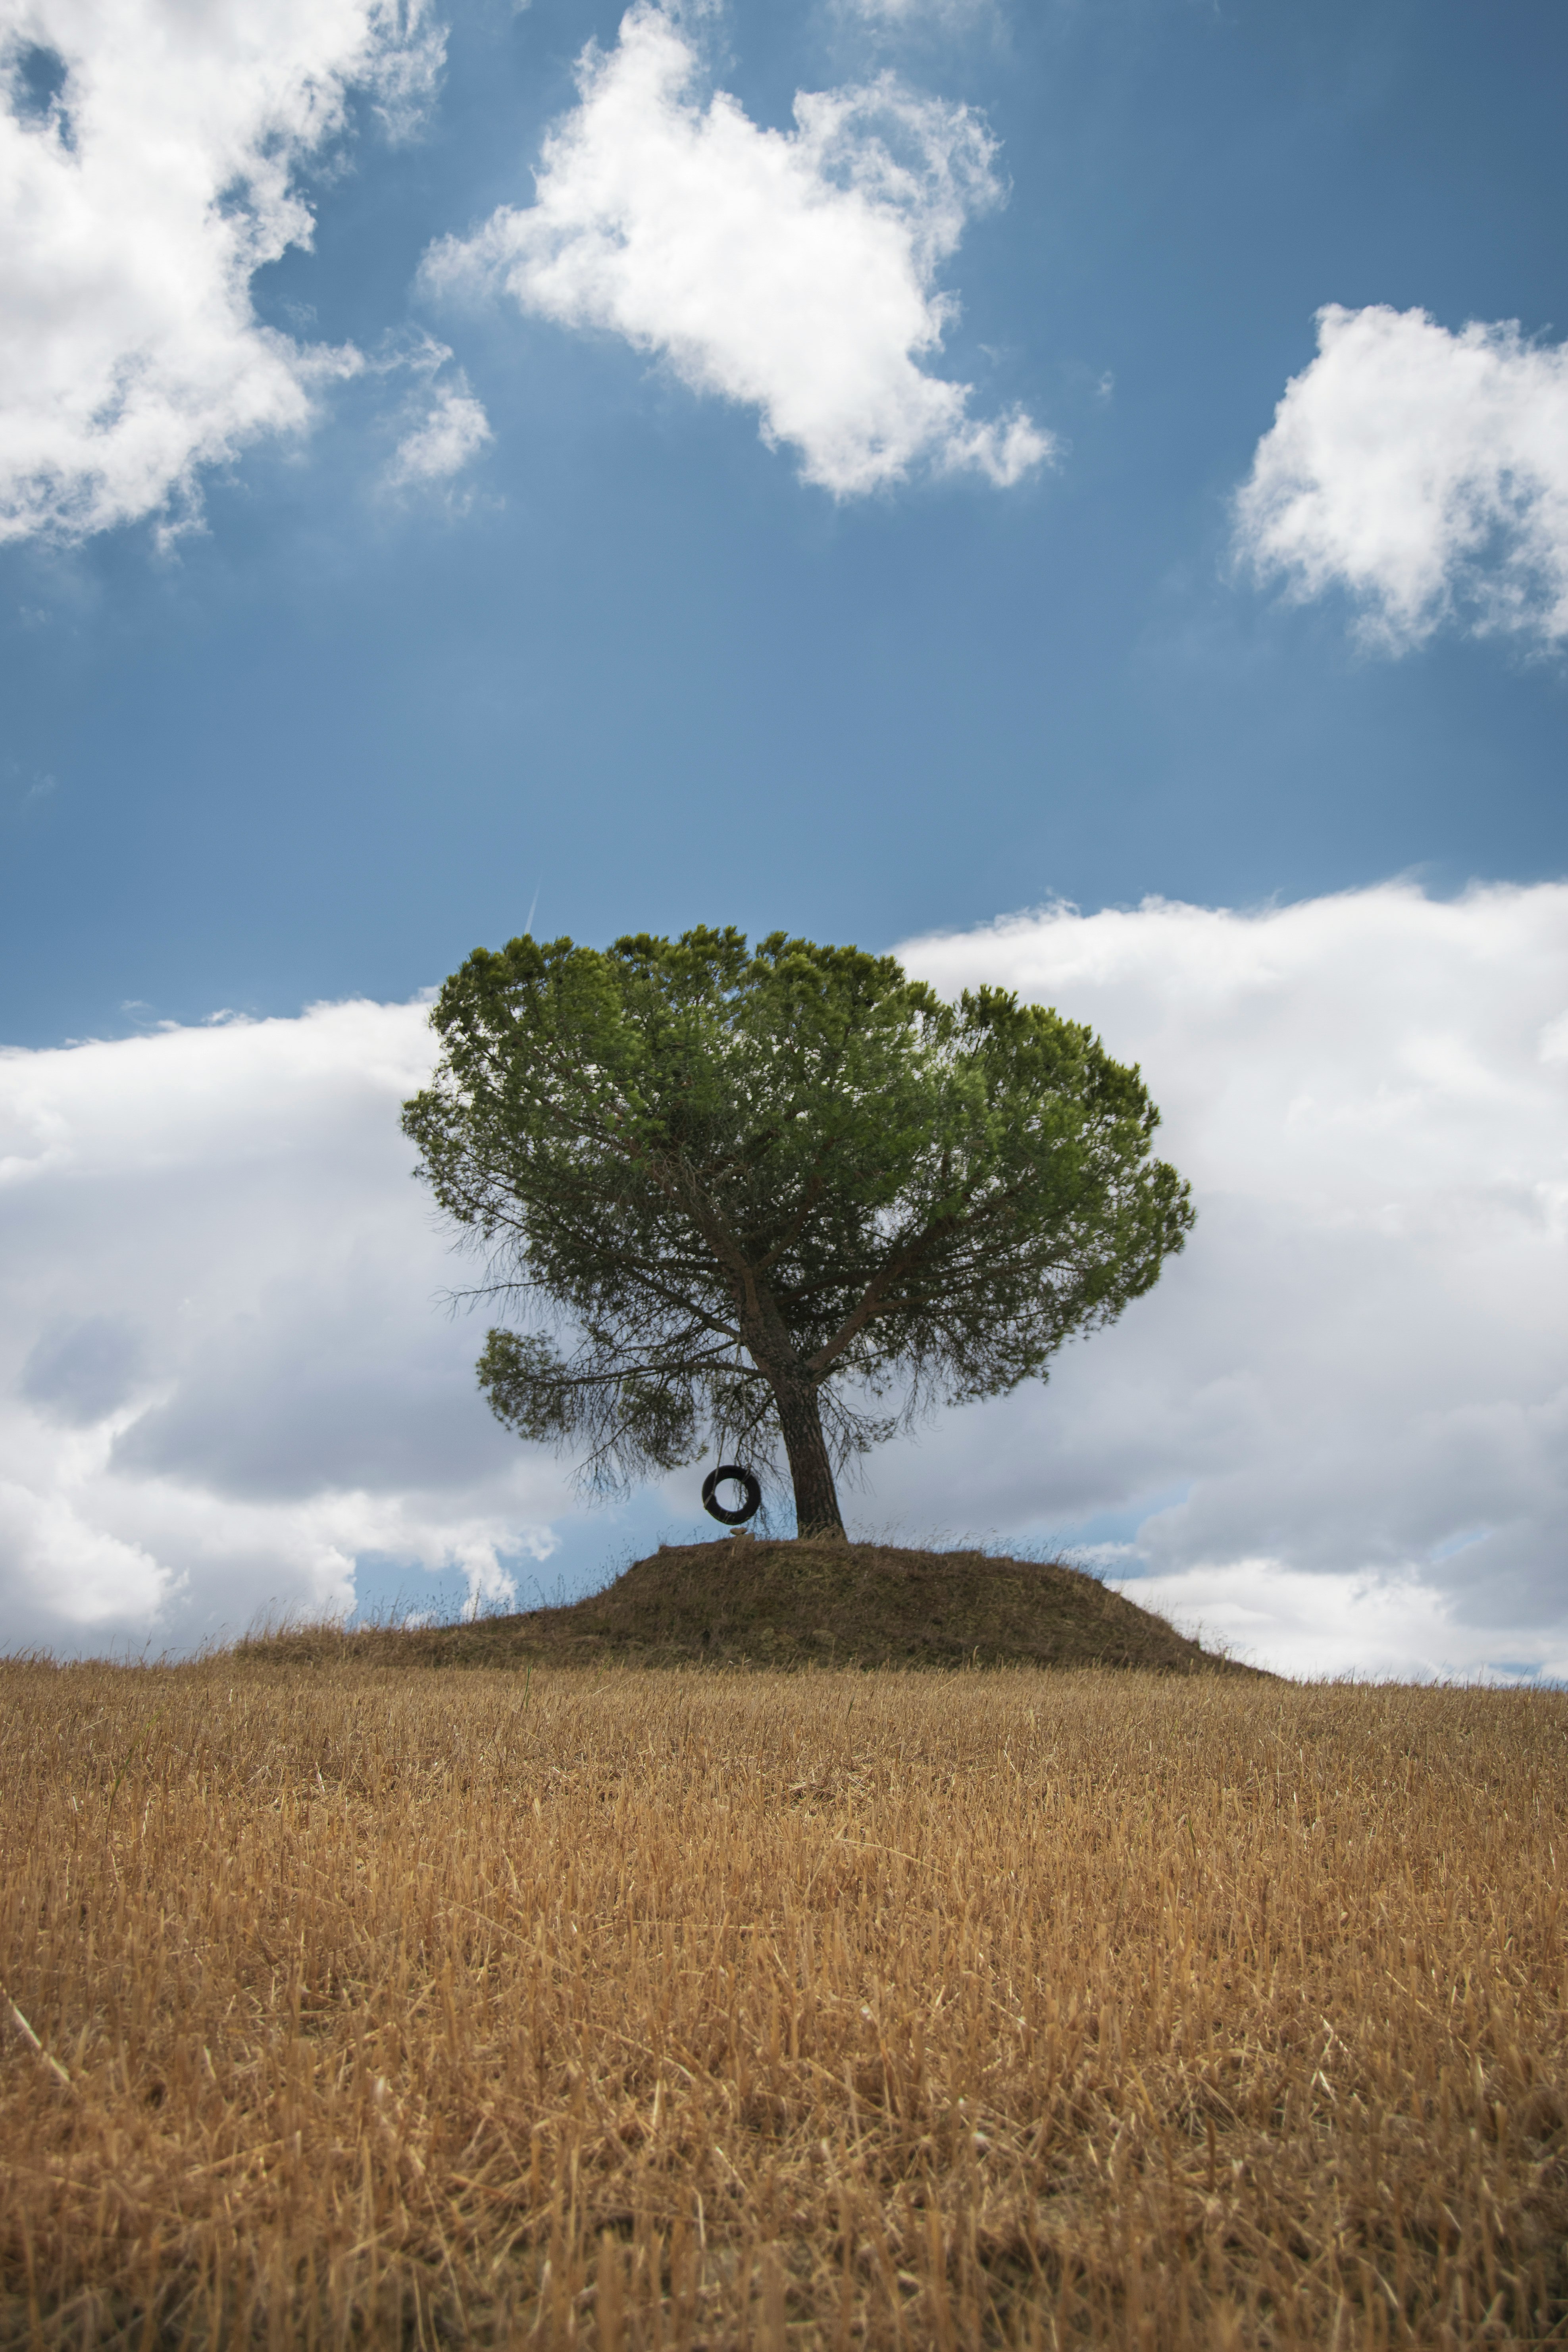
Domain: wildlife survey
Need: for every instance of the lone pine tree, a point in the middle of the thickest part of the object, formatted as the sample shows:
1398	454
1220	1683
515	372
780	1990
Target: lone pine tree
776	1196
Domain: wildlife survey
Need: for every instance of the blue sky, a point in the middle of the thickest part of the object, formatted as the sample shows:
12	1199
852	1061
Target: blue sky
336	736
470	474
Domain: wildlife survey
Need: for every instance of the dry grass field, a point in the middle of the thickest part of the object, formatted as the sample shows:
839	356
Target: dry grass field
624	2008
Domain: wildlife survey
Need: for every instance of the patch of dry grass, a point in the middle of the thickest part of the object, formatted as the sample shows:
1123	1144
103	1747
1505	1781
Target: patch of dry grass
633	2008
771	1603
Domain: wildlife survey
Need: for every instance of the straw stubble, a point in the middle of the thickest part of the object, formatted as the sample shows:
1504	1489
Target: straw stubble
633	2009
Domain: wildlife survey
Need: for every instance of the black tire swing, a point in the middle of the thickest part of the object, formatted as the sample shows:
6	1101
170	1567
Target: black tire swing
744	1478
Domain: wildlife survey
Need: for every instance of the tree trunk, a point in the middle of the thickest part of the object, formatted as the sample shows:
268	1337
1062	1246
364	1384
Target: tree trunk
815	1496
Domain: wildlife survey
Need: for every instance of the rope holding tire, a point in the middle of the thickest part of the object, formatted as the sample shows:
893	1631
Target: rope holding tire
744	1478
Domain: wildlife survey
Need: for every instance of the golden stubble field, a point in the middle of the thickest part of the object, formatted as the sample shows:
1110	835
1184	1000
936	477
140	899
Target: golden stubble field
628	2008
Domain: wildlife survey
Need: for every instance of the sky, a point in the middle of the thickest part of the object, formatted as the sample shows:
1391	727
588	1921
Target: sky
1076	496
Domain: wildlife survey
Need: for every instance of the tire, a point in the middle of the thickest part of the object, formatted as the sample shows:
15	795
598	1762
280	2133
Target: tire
743	1477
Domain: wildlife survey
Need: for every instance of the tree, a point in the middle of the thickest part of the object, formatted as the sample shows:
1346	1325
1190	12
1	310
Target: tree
763	1193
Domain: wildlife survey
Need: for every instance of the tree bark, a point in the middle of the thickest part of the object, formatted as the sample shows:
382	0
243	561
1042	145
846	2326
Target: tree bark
811	1472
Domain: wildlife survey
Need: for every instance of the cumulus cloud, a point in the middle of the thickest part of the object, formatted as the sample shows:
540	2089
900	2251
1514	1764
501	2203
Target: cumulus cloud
792	271
1337	1432
149	163
1423	472
453	429
225	1371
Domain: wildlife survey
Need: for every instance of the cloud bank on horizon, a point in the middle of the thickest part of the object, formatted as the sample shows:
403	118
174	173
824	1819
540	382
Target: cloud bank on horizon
1348	1397
1334	1433
228	1375
791	272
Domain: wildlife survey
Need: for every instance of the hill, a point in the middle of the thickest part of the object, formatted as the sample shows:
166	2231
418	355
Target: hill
752	1601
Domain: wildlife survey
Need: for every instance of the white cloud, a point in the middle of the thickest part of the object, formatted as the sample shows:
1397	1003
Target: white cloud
1337	1432
453	429
224	1368
1425	472
404	57
149	156
904	15
792	271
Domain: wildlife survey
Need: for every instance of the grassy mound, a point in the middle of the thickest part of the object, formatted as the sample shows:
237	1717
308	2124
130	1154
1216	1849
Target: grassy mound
745	1602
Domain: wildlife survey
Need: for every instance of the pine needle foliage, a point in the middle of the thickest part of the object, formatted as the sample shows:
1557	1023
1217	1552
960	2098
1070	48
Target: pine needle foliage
782	1199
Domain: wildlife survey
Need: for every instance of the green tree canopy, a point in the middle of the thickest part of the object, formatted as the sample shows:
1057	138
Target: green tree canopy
780	1198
